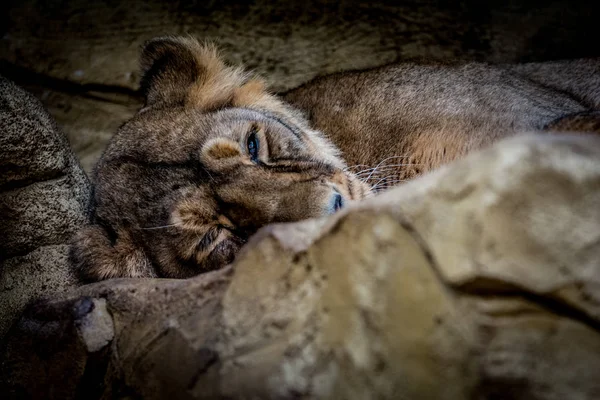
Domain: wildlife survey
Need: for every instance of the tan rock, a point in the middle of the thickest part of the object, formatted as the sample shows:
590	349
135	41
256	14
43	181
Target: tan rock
522	216
473	282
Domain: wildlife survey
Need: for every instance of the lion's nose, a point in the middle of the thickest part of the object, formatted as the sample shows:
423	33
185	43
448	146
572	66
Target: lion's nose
336	202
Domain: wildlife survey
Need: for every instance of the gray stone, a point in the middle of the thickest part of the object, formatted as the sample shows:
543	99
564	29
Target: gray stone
43	213
26	126
96	327
42	272
43	198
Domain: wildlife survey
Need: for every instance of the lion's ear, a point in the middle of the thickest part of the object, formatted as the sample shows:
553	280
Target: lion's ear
221	154
178	70
169	68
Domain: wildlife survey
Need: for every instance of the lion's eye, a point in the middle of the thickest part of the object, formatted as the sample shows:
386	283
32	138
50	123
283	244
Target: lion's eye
253	145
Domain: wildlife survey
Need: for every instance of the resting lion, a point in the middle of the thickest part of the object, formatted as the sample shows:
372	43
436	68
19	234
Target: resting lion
212	156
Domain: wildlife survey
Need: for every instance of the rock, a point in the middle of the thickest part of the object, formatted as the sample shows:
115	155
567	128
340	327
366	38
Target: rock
291	41
94	323
476	281
89	121
533	226
43	197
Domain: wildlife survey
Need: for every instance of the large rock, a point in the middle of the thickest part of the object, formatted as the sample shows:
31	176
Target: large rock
478	281
290	41
43	196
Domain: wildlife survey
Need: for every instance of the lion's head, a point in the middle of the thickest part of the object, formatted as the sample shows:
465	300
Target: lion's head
210	158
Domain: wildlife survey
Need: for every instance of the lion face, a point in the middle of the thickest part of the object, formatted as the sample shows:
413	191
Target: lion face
210	159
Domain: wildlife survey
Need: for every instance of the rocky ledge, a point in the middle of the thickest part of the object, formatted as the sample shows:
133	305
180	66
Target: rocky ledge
478	281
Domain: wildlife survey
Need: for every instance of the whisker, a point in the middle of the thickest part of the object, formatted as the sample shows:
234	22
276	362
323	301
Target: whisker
383	187
209	175
383	182
391	176
379	178
383	168
355	166
382	161
362	171
385	179
161	227
366	171
389	182
393	157
366	165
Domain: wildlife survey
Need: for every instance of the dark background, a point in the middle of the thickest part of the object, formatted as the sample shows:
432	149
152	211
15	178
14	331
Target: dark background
80	57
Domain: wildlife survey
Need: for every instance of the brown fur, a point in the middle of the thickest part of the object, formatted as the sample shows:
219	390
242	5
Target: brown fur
177	193
410	118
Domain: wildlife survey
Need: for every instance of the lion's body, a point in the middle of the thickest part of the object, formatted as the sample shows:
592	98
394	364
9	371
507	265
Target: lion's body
420	116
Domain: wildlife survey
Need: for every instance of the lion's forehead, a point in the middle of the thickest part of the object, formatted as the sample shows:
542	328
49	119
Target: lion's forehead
268	118
283	135
175	135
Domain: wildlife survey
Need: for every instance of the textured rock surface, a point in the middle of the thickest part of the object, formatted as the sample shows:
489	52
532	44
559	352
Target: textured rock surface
478	281
43	195
81	57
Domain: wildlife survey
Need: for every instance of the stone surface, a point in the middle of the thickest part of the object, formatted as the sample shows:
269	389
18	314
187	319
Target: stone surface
89	121
43	271
43	197
477	281
42	213
94	324
26	126
81	57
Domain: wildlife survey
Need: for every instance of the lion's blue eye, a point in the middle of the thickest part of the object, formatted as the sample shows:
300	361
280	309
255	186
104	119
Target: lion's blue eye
253	146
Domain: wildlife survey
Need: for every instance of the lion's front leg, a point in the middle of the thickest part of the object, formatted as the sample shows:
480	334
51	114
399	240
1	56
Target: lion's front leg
95	257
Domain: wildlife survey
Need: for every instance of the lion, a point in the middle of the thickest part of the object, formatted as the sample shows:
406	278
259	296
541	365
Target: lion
210	158
213	156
